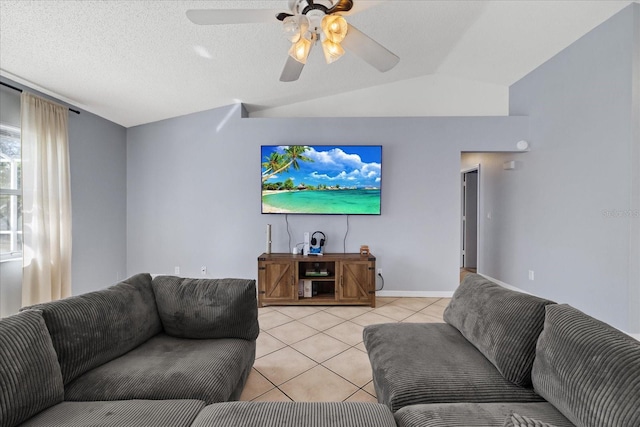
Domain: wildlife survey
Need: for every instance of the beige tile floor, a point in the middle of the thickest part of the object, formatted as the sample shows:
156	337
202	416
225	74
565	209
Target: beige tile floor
316	354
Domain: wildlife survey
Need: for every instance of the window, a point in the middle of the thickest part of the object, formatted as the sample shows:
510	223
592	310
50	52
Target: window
10	192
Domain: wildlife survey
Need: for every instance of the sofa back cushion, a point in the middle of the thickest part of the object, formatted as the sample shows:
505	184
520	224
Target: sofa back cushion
502	324
30	377
588	370
207	308
91	329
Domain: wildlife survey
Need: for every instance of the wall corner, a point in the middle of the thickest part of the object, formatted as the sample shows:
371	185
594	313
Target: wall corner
634	220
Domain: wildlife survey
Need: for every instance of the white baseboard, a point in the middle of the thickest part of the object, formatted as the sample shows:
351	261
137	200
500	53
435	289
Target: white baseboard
415	294
505	285
437	294
636	336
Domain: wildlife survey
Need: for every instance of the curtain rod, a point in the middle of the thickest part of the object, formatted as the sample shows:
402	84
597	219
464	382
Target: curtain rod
20	90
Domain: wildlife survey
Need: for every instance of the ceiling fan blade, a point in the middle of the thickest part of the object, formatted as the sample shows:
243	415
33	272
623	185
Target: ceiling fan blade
341	6
231	16
369	50
292	70
282	15
361	5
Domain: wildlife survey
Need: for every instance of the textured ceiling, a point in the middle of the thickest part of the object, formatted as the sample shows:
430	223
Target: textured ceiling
135	62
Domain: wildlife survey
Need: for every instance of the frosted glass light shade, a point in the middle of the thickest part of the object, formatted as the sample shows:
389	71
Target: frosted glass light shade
332	51
291	29
334	27
300	50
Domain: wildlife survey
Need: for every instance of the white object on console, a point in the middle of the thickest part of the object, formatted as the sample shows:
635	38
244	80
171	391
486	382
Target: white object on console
268	238
307	244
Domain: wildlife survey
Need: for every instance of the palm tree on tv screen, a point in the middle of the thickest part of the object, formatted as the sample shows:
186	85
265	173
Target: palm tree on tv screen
272	163
277	162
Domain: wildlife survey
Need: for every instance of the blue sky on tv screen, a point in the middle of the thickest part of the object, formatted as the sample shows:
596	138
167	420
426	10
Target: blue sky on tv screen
331	165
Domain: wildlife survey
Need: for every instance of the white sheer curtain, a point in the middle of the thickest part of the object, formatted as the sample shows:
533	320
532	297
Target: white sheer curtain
46	201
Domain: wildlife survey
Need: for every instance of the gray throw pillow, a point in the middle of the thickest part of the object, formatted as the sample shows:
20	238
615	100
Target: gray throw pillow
502	324
587	369
515	420
30	377
91	329
207	308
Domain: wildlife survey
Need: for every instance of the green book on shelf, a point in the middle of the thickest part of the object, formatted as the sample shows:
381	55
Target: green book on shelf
316	273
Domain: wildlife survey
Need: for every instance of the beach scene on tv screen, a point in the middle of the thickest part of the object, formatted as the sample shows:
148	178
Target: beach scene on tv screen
321	179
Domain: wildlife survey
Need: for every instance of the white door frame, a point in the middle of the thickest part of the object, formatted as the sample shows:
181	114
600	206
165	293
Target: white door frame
473	168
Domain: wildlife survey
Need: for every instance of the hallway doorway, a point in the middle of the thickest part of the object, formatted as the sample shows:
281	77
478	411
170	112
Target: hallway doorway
470	192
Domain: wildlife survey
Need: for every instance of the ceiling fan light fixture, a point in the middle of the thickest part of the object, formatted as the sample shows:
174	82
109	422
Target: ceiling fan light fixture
332	51
291	29
334	27
300	50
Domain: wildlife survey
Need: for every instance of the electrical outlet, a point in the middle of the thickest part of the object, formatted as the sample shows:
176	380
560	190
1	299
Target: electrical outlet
531	275
379	272
203	270
176	270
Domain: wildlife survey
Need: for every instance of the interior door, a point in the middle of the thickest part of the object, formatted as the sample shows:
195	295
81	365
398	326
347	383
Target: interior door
470	219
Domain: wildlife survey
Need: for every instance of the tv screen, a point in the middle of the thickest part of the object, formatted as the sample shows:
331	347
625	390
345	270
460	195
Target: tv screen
321	179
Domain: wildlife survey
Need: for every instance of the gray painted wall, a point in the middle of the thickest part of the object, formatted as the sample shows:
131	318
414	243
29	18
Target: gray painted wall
634	230
194	193
566	212
97	151
98	157
10	106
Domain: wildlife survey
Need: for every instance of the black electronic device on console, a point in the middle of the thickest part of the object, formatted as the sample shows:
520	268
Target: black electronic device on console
317	243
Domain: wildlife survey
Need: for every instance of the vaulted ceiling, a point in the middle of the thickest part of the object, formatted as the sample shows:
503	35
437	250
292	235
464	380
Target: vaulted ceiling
135	62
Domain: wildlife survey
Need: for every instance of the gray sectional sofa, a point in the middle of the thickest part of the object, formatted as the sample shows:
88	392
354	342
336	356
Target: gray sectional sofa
504	358
176	352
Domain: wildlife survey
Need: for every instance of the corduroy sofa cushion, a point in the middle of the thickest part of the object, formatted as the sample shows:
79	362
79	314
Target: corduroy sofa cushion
123	413
30	377
91	329
503	324
480	415
171	368
416	363
295	414
517	420
587	369
207	308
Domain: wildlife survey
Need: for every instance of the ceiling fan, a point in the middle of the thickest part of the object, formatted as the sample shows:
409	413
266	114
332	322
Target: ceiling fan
306	23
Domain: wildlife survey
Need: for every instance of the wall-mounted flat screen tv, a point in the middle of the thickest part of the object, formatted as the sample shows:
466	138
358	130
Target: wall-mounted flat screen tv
321	179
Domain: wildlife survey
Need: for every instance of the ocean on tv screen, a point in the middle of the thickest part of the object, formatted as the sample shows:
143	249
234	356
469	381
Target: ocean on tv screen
321	179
